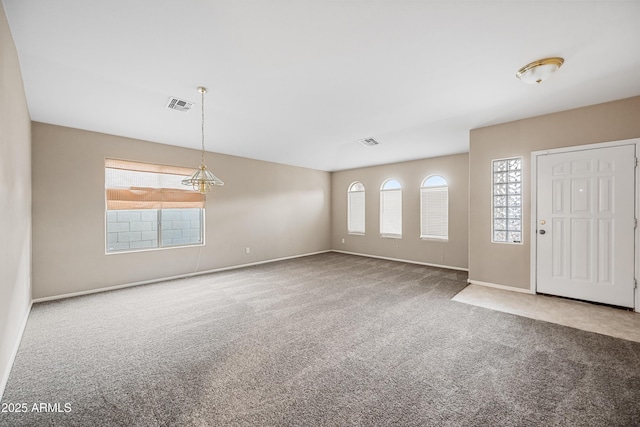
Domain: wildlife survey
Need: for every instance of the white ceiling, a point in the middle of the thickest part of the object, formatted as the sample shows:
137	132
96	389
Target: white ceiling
300	81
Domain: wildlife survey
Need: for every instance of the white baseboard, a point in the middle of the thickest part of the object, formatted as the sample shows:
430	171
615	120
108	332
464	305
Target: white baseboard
448	267
164	279
16	346
503	287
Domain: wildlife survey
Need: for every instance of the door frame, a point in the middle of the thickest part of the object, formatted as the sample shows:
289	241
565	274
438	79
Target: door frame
534	206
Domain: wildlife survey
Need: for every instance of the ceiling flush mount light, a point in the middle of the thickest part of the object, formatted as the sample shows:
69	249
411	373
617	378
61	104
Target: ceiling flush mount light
538	71
202	180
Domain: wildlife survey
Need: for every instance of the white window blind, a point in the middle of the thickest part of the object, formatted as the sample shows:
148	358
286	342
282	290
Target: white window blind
434	208
135	185
391	209
434	213
356	212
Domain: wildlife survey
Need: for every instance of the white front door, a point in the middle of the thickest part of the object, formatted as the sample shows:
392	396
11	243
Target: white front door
585	224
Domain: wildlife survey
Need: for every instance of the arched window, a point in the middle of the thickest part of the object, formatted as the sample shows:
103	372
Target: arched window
391	209
434	208
355	208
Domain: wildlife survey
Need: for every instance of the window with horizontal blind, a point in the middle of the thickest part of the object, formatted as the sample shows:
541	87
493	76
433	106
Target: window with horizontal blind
147	207
355	208
391	209
434	208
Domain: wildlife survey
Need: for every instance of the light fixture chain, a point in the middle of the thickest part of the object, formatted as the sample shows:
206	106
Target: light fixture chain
202	104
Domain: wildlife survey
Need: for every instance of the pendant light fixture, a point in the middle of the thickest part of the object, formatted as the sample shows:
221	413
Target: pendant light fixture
538	71
202	180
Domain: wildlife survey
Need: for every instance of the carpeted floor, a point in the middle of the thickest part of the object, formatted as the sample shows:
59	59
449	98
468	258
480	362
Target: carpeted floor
325	340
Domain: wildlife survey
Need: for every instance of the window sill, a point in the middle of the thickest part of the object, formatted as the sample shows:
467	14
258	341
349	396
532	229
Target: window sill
164	248
391	236
434	239
353	233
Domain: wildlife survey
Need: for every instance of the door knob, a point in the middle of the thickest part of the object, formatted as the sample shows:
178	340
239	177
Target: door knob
542	231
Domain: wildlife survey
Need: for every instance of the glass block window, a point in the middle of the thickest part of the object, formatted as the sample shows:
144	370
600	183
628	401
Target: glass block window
507	200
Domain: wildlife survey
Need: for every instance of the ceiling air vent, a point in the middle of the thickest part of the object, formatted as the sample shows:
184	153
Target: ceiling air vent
368	142
179	104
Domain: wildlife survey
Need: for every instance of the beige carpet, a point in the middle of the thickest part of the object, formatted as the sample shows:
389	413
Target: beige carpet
326	340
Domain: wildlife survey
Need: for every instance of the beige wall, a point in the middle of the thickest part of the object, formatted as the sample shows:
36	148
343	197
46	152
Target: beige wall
455	169
278	211
509	265
15	201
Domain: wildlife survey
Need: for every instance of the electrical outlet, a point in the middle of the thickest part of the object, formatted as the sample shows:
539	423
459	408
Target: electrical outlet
247	250
343	241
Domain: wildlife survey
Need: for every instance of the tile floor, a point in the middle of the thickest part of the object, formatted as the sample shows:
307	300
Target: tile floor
615	322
